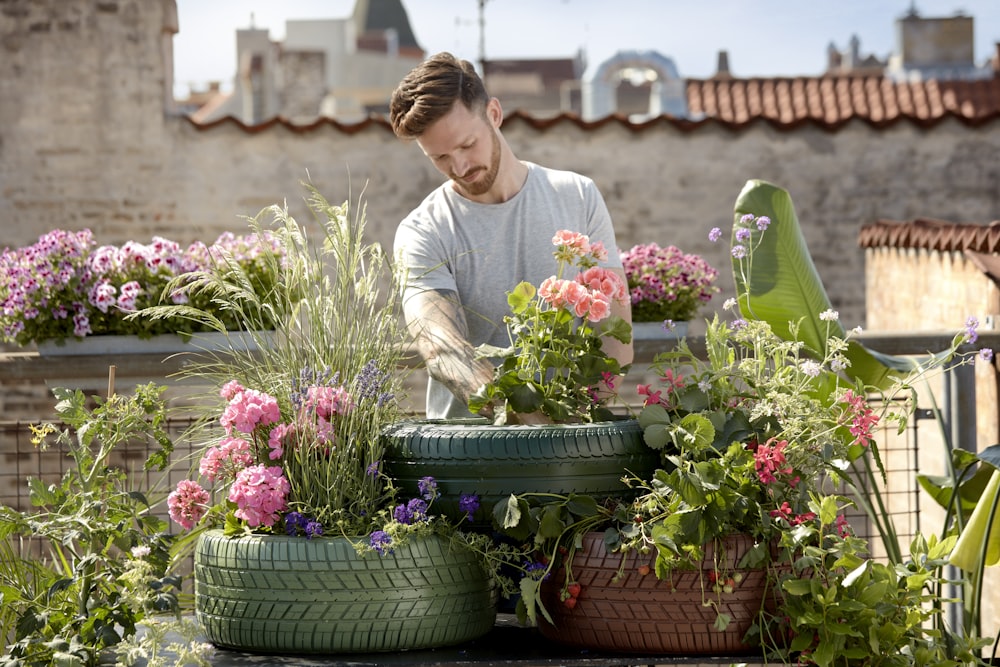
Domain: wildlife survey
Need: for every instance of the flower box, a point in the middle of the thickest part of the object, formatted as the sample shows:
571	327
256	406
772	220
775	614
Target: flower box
213	341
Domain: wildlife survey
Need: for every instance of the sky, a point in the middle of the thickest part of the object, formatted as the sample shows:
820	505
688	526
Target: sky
762	37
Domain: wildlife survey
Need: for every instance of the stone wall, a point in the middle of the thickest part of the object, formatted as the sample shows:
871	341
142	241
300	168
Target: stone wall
86	141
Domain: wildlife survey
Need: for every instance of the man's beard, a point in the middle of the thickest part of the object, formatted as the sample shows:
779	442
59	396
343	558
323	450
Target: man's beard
485	182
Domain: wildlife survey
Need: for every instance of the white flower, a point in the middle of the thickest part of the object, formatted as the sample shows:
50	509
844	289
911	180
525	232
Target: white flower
811	368
856	330
829	315
140	551
729	304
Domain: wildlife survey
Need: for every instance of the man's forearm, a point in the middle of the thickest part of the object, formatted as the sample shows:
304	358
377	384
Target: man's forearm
439	329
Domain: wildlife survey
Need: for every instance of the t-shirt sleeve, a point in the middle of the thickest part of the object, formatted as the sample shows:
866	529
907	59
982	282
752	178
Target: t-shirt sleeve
423	255
599	225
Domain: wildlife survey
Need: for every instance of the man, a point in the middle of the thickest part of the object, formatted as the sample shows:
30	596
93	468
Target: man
481	233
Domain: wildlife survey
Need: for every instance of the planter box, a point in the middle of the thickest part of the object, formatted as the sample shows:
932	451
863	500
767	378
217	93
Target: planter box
162	344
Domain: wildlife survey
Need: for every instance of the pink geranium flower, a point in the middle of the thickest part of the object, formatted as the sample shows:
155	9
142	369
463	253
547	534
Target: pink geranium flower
187	503
261	494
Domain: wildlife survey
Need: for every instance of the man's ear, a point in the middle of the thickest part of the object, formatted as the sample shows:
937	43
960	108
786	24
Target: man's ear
494	112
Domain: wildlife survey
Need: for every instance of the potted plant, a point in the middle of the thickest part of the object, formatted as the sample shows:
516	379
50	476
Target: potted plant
555	370
755	439
66	288
90	560
306	542
667	288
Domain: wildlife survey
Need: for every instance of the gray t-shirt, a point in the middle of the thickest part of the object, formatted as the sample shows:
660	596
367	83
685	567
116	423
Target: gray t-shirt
481	251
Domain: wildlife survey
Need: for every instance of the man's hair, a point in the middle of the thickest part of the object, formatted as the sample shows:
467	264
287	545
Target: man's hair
429	92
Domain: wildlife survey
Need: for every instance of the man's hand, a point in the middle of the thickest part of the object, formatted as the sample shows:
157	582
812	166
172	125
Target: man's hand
436	322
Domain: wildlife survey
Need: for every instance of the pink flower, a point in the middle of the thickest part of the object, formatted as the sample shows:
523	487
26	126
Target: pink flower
226	459
600	308
249	409
652	397
260	494
863	418
770	459
278	438
570	244
605	281
187	503
551	292
581	304
230	389
328	402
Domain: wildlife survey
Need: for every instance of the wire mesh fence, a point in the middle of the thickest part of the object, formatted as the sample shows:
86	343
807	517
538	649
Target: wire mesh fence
22	459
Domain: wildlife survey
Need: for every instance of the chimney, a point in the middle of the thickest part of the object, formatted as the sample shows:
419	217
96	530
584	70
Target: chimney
722	69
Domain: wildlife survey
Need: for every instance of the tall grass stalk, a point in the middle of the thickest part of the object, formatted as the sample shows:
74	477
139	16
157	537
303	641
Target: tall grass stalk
336	302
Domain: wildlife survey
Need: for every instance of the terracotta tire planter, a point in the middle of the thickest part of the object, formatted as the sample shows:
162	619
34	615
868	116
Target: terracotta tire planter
278	594
640	613
492	462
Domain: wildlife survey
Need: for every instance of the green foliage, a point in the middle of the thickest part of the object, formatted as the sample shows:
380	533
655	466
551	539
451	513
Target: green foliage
334	316
555	365
839	607
66	286
779	283
106	555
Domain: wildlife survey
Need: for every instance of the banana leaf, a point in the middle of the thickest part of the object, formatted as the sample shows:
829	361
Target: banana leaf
778	283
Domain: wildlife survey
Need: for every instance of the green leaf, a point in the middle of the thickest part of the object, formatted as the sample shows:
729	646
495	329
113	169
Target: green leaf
855	574
656	436
521	297
797	586
551	524
824	653
525	398
697	432
991	455
784	287
582	506
654	415
722	621
508	514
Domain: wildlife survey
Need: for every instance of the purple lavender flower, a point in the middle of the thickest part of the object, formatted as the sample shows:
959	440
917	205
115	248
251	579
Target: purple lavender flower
372	469
971	335
381	542
402	514
294	521
427	487
739	252
714	234
763	222
313	528
417	508
742	234
535	570
468	504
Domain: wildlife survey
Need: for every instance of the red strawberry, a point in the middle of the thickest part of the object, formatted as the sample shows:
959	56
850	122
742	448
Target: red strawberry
644	570
574	590
569	602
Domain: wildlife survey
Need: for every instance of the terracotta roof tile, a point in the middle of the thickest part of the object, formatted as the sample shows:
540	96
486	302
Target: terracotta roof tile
835	99
928	234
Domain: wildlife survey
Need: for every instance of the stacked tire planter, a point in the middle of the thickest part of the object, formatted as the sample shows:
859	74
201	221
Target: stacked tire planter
624	607
278	594
492	462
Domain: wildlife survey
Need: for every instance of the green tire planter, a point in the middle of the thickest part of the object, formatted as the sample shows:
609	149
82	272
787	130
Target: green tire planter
492	462
291	595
